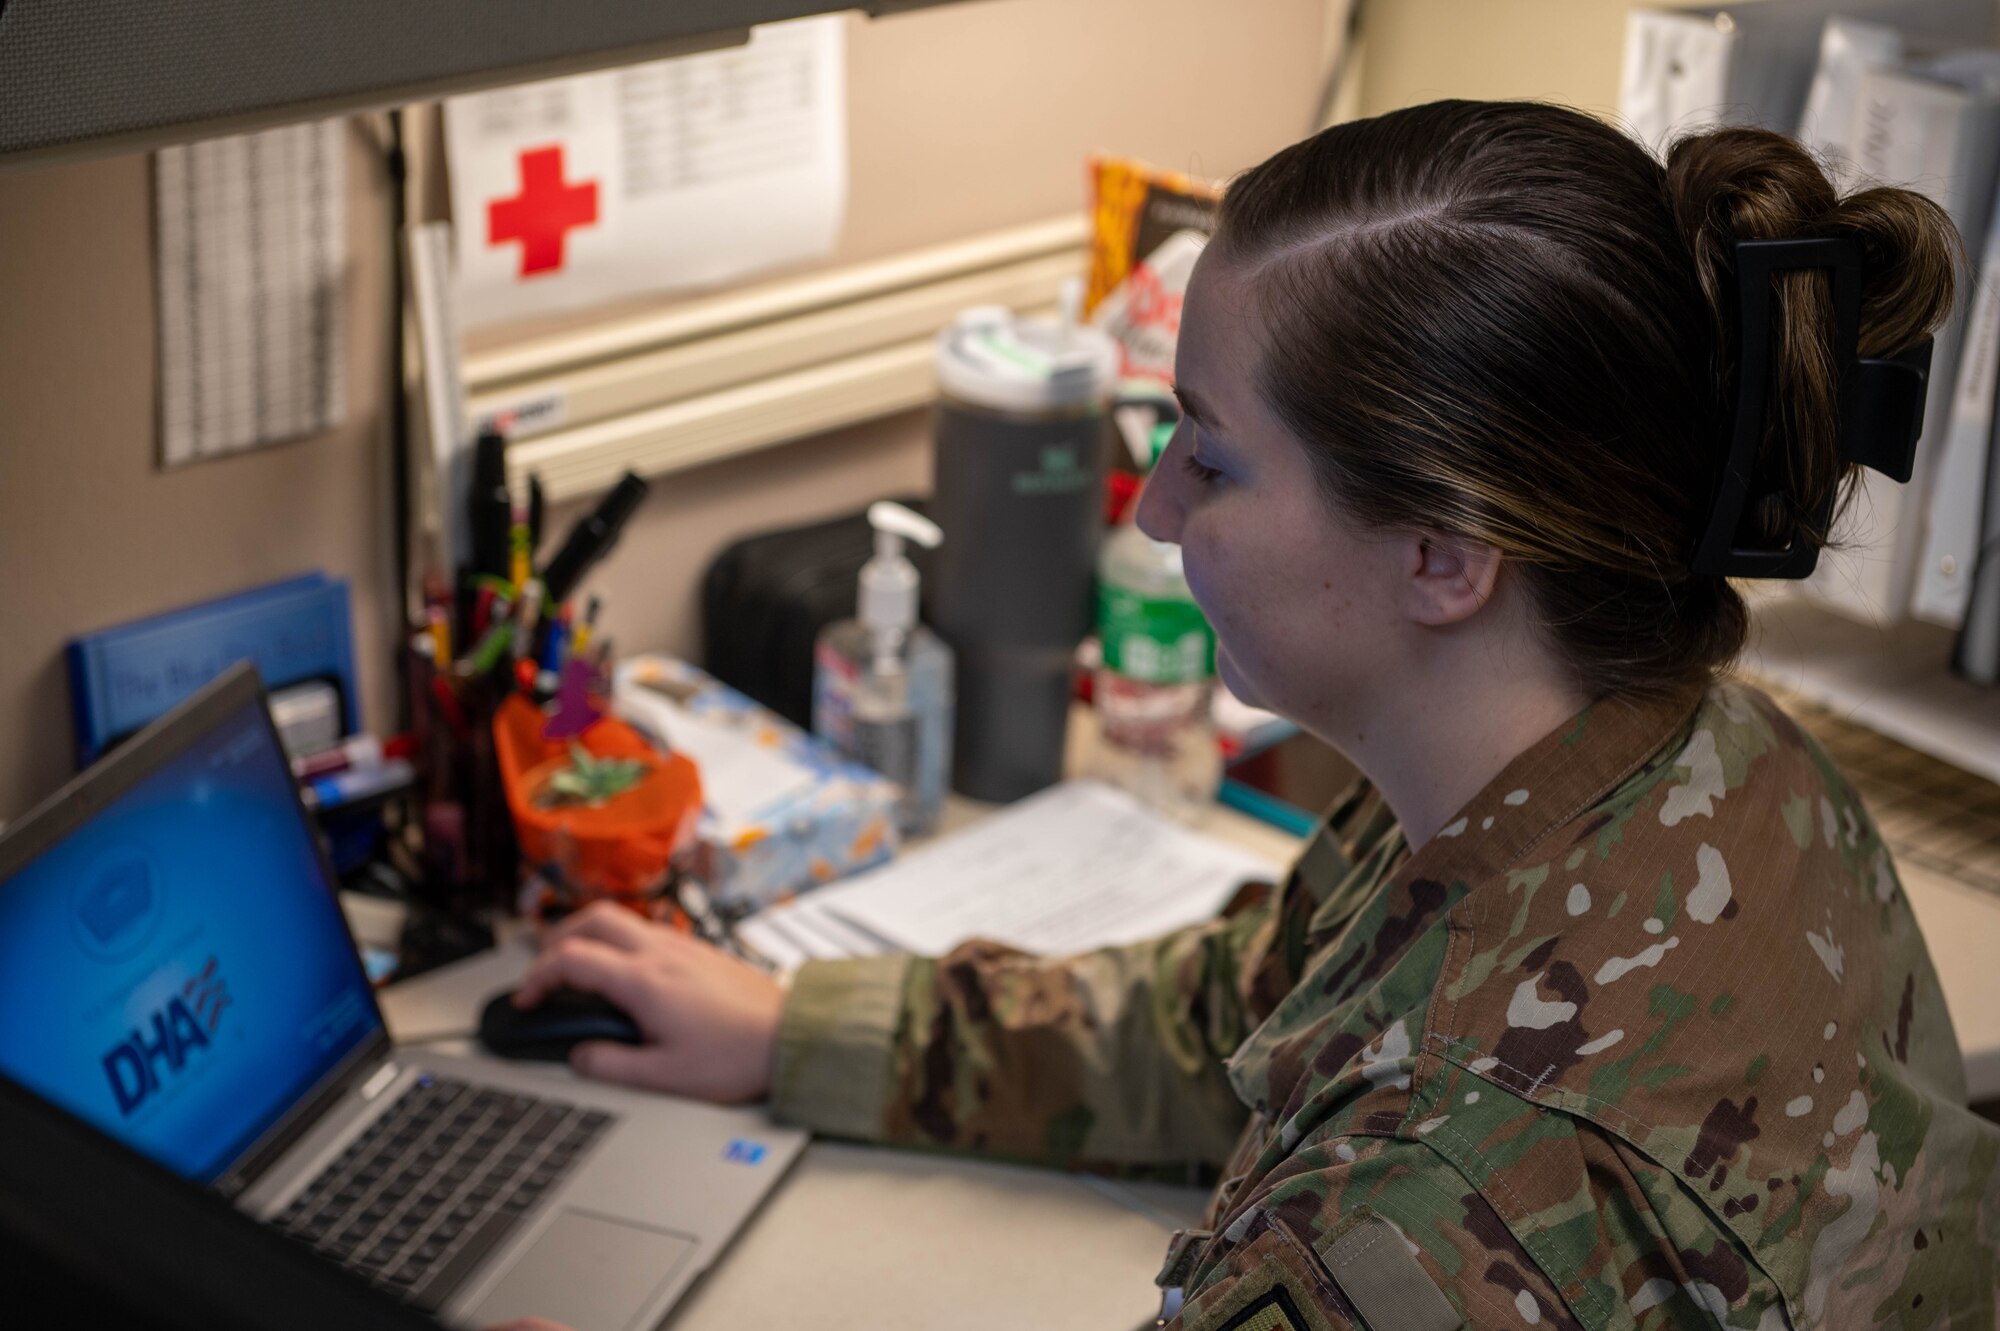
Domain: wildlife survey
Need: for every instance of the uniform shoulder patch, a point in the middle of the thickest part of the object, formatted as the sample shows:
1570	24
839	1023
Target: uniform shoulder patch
1364	1280
1273	1310
1387	1285
1272	1283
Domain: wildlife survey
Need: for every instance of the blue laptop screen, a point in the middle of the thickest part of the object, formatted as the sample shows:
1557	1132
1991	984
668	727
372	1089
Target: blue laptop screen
176	970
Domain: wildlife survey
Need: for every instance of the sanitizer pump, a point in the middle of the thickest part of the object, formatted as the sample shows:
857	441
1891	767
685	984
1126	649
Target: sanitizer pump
882	682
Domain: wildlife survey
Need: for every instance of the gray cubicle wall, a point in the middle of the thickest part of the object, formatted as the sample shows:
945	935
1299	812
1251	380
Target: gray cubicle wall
83	77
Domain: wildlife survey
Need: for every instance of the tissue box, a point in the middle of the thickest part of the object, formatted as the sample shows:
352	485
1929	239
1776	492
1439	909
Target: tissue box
783	812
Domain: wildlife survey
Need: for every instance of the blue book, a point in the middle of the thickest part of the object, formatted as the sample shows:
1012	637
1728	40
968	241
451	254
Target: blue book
293	631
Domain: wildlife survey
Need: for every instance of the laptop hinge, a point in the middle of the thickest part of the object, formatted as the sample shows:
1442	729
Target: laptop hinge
379	1081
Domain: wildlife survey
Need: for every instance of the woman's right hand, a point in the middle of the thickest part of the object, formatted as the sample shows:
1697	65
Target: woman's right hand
709	1020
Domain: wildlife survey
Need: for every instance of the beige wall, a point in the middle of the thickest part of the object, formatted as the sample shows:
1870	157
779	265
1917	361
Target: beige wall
968	118
1559	50
91	532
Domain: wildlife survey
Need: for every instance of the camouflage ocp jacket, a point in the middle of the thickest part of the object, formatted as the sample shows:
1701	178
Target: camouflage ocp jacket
1646	1037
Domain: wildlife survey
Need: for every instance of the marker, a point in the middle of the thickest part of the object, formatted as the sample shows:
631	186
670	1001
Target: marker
354	751
358	783
592	538
556	645
482	610
491	648
536	507
447	701
488	506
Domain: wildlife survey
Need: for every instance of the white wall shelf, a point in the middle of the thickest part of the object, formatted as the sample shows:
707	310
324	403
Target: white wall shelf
1896	680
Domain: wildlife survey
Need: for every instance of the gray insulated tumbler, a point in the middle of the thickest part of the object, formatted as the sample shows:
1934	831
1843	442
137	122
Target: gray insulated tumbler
1019	493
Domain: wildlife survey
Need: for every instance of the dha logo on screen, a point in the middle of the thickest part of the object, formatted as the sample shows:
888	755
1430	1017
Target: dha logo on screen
151	1057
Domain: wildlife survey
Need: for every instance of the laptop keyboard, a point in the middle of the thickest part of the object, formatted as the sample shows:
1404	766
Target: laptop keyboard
435	1183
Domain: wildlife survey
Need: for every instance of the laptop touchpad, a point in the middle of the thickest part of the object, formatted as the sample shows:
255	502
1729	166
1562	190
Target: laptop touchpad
587	1272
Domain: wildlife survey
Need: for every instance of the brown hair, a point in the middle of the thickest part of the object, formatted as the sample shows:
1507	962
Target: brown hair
1509	321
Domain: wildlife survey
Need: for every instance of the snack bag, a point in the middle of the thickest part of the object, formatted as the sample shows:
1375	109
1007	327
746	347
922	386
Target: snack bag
1147	228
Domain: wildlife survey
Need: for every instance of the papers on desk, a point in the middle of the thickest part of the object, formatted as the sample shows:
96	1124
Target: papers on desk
808	929
1076	867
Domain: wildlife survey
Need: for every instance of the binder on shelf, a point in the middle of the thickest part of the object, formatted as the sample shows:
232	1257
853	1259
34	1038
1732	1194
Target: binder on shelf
1848	49
1690	67
1976	654
123	677
1933	128
1676	73
1958	498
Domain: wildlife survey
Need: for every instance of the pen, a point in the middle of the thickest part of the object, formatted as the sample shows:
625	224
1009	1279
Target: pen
439	625
589	626
440	595
524	623
521	568
592	538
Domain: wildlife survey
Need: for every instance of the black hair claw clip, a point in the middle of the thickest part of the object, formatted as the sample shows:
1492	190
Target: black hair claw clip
1881	405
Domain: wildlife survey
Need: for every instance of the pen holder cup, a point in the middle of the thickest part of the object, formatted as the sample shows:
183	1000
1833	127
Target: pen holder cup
579	846
470	859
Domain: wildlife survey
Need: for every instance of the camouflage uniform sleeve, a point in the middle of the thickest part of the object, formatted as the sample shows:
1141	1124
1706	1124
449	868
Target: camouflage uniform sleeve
1114	1057
836	1038
1371	1233
1111	1057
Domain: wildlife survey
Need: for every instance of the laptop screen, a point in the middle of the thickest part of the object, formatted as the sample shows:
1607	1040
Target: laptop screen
175	970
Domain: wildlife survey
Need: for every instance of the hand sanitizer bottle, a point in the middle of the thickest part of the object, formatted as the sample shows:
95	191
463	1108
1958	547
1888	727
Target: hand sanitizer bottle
882	682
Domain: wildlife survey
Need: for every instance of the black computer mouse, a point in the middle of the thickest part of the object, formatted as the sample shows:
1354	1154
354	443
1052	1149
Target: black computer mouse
549	1030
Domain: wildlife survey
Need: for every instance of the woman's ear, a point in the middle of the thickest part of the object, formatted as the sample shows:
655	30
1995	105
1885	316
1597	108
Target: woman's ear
1452	578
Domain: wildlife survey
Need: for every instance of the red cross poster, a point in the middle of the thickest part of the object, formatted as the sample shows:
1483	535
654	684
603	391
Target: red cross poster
669	175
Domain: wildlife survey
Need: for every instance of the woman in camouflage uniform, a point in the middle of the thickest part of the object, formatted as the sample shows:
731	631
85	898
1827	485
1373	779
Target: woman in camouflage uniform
1599	1004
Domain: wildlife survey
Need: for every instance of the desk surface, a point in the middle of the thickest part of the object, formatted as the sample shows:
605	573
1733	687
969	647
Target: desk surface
865	1237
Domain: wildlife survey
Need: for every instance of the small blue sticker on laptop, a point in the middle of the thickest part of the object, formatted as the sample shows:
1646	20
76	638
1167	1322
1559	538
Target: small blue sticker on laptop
745	1152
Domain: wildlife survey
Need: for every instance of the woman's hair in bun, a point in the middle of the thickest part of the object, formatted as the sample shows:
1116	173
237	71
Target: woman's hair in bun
1749	184
1510	321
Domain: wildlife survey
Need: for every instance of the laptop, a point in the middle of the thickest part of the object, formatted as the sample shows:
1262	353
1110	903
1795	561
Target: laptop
175	970
162	1254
